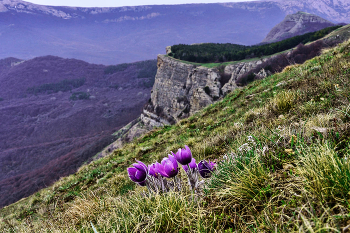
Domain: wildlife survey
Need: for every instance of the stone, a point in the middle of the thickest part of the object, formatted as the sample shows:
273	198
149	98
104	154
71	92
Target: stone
263	74
168	50
236	70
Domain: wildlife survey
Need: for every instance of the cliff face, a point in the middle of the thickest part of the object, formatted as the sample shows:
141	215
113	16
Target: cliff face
296	24
182	89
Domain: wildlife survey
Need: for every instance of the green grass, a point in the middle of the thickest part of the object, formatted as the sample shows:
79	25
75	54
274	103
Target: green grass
293	177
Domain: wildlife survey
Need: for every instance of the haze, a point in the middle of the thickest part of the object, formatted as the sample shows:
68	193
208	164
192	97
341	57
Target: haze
113	3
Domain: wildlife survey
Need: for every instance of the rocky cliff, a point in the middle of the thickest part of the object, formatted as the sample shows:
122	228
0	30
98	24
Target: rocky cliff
296	24
182	89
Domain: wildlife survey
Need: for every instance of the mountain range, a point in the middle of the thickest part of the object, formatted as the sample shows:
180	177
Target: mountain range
129	34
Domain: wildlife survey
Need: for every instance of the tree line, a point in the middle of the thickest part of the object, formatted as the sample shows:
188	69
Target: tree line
215	52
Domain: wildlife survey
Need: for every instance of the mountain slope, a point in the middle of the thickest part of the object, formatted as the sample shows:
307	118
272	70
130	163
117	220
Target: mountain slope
128	34
286	145
58	113
296	24
334	11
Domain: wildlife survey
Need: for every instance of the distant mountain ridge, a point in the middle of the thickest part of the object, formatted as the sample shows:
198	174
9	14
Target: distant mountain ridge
129	34
295	25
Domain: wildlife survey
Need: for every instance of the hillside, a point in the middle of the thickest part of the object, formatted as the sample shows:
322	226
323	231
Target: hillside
295	25
282	147
56	114
129	34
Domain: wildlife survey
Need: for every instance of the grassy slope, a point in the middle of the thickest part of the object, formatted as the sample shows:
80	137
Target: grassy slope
297	183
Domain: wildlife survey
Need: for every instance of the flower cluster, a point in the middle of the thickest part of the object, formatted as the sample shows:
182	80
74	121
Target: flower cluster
156	175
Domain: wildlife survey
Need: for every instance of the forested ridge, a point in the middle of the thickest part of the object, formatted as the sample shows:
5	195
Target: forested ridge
211	52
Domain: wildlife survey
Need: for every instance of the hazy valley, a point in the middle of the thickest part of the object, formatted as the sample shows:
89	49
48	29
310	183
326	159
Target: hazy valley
129	34
58	113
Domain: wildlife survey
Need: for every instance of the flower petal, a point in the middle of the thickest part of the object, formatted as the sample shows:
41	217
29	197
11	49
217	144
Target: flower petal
204	169
193	164
160	169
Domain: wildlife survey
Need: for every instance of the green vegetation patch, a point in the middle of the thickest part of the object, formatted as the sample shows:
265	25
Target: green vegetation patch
64	85
79	96
209	52
2	99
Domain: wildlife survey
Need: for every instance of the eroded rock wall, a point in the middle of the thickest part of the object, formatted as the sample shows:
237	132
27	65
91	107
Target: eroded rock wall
182	89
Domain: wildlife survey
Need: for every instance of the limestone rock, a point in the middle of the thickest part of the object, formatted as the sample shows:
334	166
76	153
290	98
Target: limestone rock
168	50
180	89
237	70
263	74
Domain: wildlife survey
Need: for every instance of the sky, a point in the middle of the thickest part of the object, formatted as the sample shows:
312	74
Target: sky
116	3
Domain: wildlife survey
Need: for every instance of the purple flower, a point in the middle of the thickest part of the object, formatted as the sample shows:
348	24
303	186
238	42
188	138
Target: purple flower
143	183
168	167
153	170
183	156
205	169
138	173
192	165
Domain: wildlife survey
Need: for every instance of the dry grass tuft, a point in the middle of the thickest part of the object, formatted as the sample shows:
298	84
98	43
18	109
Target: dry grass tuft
283	102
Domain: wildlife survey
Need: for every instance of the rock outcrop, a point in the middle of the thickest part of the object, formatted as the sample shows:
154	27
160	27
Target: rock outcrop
296	24
239	69
181	89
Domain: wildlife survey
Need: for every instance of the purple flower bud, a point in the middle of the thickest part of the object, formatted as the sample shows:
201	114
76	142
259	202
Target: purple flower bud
170	166
152	170
183	156
192	165
205	169
138	173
